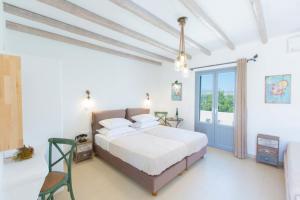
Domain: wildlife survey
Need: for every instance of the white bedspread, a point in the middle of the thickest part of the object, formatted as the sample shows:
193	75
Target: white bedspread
194	141
292	170
102	141
148	153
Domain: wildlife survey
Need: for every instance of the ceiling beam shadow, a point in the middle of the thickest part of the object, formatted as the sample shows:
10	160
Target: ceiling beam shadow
260	21
83	13
53	36
17	11
199	13
156	21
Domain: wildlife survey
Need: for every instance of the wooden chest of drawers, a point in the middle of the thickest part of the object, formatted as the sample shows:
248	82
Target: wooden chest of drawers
267	150
83	151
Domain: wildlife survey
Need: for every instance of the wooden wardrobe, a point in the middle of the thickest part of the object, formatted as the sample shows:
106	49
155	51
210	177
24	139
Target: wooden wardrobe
11	129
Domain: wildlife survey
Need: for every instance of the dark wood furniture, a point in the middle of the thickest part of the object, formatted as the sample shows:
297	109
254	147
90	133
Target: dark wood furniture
267	150
161	117
177	120
83	151
167	121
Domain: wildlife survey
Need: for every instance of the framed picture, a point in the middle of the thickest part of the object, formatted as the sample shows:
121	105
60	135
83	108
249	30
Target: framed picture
176	93
278	89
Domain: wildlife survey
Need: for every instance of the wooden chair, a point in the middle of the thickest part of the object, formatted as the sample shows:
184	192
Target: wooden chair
55	180
162	117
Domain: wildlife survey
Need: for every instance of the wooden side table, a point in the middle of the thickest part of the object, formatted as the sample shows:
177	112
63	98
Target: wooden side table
83	151
267	149
161	117
178	121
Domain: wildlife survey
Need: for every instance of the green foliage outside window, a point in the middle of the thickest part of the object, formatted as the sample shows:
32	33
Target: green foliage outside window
206	102
225	104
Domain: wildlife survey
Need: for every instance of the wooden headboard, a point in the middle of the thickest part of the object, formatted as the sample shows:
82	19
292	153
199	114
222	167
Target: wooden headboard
135	111
106	114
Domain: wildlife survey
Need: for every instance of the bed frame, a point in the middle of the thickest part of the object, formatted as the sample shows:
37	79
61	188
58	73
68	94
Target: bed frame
151	183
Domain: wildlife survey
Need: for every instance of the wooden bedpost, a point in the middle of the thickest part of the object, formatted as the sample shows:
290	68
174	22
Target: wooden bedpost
154	194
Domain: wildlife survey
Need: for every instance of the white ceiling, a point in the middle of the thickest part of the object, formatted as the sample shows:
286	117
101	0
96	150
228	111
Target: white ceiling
235	18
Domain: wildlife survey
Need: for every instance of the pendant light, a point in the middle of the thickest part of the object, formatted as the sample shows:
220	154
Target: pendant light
181	59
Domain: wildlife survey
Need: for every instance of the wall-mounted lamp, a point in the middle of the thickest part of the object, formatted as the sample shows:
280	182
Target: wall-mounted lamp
176	86
147	100
87	102
88	94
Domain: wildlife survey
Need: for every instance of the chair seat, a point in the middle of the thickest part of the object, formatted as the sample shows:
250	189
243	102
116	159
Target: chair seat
53	179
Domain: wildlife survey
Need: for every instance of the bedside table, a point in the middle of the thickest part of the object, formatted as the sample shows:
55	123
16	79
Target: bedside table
83	151
177	120
267	149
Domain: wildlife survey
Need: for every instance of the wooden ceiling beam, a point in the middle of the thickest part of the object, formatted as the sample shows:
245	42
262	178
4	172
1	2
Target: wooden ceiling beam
260	21
198	12
156	21
83	13
11	9
53	36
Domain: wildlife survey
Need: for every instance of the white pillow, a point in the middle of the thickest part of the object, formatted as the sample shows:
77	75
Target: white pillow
144	118
144	124
115	123
116	131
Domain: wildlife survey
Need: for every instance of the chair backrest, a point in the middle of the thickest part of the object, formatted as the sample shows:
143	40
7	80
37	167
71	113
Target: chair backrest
67	157
160	114
161	117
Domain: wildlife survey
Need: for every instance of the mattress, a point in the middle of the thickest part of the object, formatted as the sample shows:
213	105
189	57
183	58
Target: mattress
292	169
102	141
194	141
148	153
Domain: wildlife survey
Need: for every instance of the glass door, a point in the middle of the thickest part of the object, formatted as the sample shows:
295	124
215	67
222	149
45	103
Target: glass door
214	116
205	110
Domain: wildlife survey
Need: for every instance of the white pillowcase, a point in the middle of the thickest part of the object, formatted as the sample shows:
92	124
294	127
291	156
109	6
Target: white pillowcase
144	124
144	118
116	131
115	123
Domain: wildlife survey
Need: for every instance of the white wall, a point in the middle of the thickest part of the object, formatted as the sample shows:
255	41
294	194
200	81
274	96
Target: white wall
113	85
114	82
41	91
42	103
276	119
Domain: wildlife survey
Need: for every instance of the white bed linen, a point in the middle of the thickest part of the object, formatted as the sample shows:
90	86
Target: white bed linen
102	141
194	141
293	171
148	153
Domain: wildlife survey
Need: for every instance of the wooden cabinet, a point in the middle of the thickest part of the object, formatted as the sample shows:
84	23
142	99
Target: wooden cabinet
267	149
83	151
11	129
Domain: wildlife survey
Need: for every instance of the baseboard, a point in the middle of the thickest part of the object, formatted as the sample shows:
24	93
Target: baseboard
251	156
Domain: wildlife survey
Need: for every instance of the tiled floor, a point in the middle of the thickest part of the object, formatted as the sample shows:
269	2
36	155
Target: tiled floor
219	176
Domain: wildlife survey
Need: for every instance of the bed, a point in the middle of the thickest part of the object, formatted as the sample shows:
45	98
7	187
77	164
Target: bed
150	167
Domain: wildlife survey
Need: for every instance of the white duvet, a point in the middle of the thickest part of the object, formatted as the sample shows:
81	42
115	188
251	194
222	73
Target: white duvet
153	150
148	153
292	170
194	141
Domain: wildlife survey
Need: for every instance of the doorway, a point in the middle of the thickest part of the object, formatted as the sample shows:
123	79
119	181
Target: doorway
215	106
